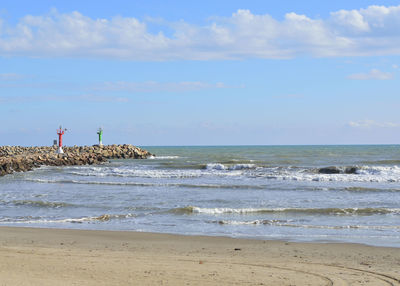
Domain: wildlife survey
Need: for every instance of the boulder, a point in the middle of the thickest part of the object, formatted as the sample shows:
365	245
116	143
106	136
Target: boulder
337	170
351	170
329	170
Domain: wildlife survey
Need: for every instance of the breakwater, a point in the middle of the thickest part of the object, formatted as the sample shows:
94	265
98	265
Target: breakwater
21	159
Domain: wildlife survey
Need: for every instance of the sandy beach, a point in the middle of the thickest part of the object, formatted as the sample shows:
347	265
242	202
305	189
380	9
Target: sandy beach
34	256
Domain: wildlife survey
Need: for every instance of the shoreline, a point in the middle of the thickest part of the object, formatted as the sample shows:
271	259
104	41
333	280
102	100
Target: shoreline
42	256
222	235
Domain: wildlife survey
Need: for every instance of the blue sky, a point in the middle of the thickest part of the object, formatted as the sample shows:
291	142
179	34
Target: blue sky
204	73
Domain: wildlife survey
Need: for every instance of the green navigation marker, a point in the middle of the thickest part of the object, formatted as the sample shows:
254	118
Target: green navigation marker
100	132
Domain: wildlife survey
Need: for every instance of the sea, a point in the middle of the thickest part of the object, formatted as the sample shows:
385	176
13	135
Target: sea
259	192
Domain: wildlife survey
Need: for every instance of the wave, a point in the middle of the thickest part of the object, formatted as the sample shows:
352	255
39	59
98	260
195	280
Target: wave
167	170
41	204
163	157
380	170
362	173
139	173
18	219
382	162
378	174
285	223
92	182
219	166
366	189
181	185
100	218
252	222
321	211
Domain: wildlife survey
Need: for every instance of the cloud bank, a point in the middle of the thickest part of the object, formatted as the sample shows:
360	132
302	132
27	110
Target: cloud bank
372	31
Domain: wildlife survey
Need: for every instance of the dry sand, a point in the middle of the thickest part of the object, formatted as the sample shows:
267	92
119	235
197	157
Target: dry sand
32	256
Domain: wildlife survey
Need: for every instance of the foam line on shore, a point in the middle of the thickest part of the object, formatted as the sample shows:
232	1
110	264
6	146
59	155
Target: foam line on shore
321	211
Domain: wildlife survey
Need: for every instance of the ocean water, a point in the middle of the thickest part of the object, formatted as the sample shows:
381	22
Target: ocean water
262	192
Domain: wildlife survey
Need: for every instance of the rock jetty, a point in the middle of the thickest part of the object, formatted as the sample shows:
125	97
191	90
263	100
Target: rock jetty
21	159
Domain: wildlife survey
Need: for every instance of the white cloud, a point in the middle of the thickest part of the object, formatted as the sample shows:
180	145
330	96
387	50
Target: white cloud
367	123
373	74
395	66
353	21
365	32
153	86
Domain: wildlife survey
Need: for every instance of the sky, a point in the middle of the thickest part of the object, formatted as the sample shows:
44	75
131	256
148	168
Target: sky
221	72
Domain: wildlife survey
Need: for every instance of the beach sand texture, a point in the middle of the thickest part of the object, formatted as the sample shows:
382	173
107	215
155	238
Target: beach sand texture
34	256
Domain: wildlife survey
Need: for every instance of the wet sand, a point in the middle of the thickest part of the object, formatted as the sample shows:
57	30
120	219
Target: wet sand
33	256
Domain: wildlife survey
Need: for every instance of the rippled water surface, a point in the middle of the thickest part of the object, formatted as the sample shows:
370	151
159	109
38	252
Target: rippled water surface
265	192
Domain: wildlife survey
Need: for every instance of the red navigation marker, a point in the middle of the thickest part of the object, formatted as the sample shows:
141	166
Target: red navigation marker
60	133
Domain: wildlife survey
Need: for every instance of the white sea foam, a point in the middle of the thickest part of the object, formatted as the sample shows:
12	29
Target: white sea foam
143	184
154	173
377	174
309	211
215	166
363	173
101	218
142	173
252	222
379	170
288	224
163	157
218	166
339	178
225	210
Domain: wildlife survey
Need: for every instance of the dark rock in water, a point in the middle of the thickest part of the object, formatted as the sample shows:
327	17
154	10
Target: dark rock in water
351	170
338	170
329	170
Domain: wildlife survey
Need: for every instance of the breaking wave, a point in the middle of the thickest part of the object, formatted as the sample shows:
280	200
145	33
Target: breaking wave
376	174
218	166
101	218
379	174
163	157
321	211
140	173
93	219
181	185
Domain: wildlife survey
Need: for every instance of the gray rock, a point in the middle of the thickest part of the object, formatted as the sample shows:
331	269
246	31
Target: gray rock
329	170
